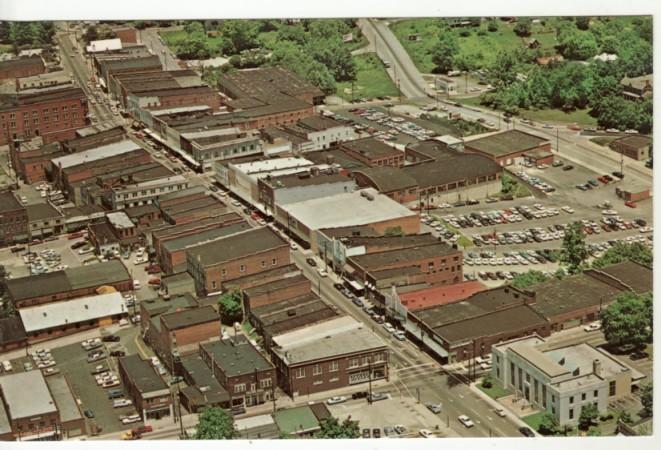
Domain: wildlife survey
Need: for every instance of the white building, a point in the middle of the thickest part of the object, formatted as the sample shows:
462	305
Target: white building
561	380
145	192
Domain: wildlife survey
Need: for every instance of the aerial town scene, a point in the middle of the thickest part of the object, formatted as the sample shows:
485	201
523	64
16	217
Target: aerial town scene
326	228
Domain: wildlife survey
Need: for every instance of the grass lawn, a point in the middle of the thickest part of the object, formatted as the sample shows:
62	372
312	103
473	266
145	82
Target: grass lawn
495	391
534	420
580	116
603	140
248	329
371	79
173	38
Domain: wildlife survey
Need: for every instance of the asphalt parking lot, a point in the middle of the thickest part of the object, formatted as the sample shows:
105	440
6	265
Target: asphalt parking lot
394	411
72	361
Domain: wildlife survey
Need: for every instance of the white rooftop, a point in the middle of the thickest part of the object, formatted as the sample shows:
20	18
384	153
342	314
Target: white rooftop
207	133
335	337
95	154
27	394
120	220
449	140
104	45
272	164
346	209
82	309
162	112
254	422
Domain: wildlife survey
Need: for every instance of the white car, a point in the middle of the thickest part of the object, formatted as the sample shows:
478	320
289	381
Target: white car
426	433
594	326
389	328
7	367
336	400
293	246
122	402
466	421
322	273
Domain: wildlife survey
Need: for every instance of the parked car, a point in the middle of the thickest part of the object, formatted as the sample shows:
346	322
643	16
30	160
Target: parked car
566	168
366	433
594	326
376	396
336	400
311	262
359	395
425	433
631	204
376	433
110	338
89	414
500	412
527	432
434	407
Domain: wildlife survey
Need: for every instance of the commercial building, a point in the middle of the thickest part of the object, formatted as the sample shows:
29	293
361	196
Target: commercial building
445	84
175	97
111	64
13	219
146	191
33	410
203	389
30	159
275	291
562	381
180	332
12	334
44	220
55	115
635	147
373	153
439	295
391	181
57	319
43	80
634	192
208	146
364	207
301	421
506	147
241	254
329	355
140	83
461	331
241	369
67	284
312	133
22	67
305	185
150	395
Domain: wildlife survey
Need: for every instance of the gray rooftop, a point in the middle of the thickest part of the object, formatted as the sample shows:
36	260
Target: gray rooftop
237	356
142	374
377	260
236	246
204	237
26	395
190	317
64	398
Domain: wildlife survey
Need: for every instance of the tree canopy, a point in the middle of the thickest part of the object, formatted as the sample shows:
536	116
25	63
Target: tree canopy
627	323
574	251
215	423
331	428
238	35
230	307
647	399
622	251
444	51
589	414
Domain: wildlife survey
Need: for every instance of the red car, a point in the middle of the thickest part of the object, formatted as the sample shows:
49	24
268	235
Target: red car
631	204
142	429
603	180
155	281
154	269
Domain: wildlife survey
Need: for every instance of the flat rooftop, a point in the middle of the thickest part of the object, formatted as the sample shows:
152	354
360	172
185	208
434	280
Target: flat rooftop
204	237
294	313
636	276
346	209
142	374
371	148
505	142
237	356
190	317
236	246
27	395
106	151
64	398
376	260
341	336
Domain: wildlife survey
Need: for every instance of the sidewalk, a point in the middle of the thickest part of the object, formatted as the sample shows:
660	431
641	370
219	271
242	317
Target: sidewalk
495	404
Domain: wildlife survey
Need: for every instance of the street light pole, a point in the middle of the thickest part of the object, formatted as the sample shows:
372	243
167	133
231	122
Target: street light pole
369	379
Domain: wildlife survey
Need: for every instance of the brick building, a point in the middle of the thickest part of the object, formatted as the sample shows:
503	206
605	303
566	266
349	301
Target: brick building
327	356
275	291
13	219
55	115
235	256
22	67
12	334
506	147
373	153
174	98
150	395
635	147
244	372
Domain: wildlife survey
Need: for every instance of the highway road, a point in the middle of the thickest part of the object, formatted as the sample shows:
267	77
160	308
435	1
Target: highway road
570	145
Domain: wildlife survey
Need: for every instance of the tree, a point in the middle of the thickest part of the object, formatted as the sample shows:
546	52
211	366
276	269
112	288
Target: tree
527	279
394	231
647	399
548	425
625	417
487	382
589	415
215	423
523	26
194	46
503	72
627	323
444	51
194	27
230	307
492	26
622	251
583	22
574	251
594	431
238	35
577	46
331	428
5	31
295	33
22	33
91	34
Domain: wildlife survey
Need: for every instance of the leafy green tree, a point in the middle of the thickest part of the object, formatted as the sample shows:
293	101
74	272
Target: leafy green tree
194	46
549	425
91	34
583	22
331	428
578	46
594	431
238	35
523	26
335	56
230	307
625	417
647	399
22	33
627	323
503	72
5	31
328	29
487	382
215	423
574	251
526	279
588	417
194	26
295	33
622	251
492	26
444	51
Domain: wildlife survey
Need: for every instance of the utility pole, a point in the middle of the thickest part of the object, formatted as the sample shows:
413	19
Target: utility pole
369	379
557	140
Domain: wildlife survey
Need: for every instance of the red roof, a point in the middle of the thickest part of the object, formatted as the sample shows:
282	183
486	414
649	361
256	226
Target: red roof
440	295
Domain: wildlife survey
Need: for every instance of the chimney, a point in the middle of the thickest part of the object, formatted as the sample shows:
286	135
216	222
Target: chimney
596	367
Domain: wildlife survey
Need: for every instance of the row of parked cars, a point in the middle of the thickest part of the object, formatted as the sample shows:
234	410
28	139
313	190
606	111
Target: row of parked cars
514	214
536	181
514	257
396	124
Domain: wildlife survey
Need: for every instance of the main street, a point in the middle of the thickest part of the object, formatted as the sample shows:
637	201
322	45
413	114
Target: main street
568	144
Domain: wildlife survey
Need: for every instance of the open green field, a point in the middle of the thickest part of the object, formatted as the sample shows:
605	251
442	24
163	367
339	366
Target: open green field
372	80
173	38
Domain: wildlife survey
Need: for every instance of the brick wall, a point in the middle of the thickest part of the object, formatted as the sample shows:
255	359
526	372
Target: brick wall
268	298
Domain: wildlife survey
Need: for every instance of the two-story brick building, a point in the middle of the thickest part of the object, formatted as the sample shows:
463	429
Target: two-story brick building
13	219
150	395
373	152
234	256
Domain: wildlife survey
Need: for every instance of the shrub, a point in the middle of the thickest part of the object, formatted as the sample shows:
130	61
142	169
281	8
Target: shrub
487	382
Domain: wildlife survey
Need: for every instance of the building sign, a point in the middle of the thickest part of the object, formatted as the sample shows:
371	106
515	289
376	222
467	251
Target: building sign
359	377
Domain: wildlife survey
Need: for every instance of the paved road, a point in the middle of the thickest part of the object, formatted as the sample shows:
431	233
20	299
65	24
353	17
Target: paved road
152	40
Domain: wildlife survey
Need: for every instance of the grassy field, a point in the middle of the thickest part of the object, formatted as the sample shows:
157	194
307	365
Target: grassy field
534	420
371	79
495	391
